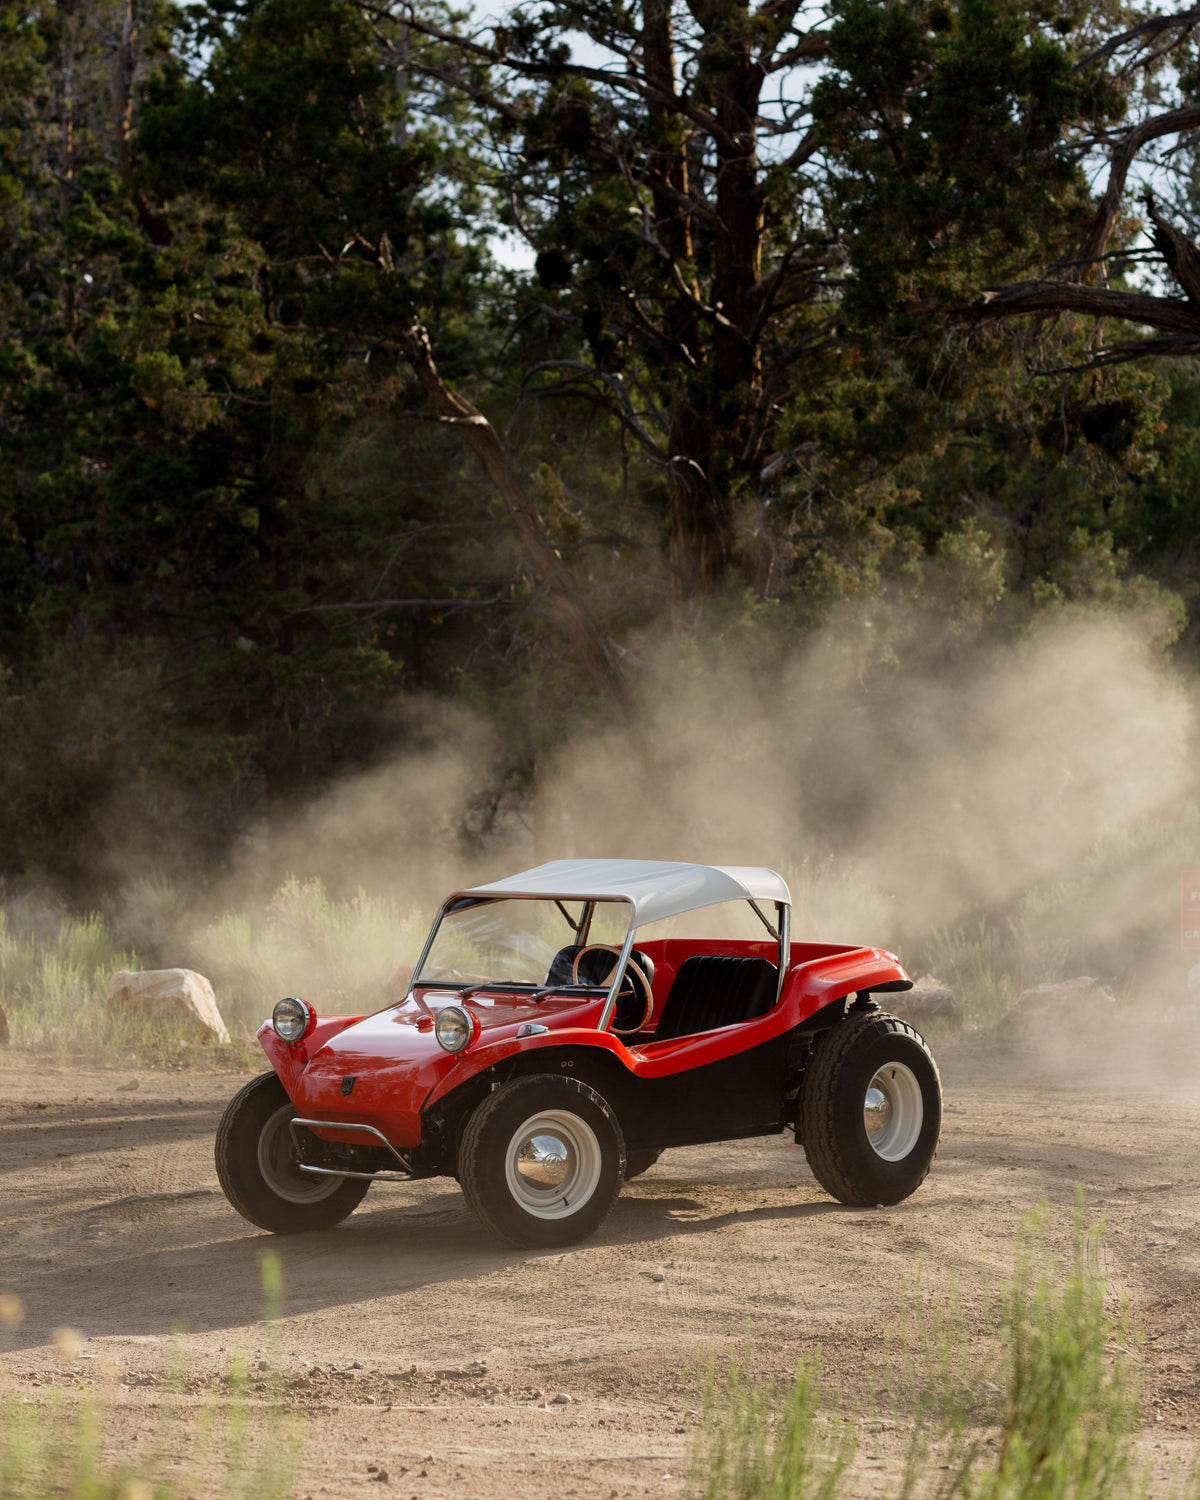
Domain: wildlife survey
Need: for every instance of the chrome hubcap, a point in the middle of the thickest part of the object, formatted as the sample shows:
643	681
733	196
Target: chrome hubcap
553	1164
544	1160
893	1111
877	1110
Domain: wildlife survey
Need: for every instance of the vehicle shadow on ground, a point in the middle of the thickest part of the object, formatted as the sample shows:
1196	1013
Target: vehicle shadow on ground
215	1283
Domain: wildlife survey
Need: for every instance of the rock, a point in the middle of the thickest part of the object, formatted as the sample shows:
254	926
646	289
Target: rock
1193	981
1062	1005
180	993
127	1088
5	1034
562	1399
928	1000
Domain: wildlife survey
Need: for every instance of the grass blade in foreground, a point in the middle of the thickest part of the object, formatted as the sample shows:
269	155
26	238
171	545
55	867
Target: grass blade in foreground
1069	1407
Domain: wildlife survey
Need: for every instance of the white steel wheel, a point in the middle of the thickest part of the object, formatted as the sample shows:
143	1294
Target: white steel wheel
893	1111
280	1167
542	1160
870	1109
553	1164
258	1170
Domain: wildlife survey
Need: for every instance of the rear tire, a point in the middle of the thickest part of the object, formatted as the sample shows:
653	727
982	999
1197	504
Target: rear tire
259	1171
871	1110
542	1161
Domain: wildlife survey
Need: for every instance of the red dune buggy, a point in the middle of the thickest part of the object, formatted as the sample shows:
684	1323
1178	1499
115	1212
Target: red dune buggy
551	1045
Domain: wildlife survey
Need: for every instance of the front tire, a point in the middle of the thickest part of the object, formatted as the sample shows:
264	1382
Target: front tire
542	1161
871	1110
259	1171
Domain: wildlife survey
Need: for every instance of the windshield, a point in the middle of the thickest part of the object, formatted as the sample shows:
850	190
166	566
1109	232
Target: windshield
516	940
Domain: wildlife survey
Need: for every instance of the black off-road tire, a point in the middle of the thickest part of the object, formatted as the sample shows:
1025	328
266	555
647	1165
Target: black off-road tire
637	1162
861	1052
256	1165
581	1186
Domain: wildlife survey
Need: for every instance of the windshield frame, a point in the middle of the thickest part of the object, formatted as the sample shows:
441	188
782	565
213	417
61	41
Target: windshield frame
459	901
579	930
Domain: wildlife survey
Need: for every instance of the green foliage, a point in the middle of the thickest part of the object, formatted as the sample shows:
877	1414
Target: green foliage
233	549
336	953
759	1443
950	132
239	1442
171	389
1059	1426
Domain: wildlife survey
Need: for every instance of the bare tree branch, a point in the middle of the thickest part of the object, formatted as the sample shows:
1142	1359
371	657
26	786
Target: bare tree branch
1155	26
591	646
616	386
1173	314
1174	122
1181	256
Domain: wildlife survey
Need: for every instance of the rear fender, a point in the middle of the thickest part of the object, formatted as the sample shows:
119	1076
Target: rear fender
289	1059
810	988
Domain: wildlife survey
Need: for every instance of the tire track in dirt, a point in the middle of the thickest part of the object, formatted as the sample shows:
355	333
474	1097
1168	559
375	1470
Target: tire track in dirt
713	1243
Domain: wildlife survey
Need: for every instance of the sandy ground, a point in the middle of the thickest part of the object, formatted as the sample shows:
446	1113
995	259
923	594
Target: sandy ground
413	1344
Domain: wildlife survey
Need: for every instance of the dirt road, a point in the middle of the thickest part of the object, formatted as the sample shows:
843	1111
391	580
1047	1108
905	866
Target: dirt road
413	1343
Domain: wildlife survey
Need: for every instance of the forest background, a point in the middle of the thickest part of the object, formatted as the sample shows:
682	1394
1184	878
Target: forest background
746	432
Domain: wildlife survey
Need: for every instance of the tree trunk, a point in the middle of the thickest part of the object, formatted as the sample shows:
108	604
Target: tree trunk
121	83
737	251
701	539
710	447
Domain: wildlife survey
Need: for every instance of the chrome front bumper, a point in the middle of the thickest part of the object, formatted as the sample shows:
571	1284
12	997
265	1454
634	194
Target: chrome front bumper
405	1176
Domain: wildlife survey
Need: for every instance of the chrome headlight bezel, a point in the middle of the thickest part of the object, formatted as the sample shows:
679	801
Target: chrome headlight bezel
292	1019
454	1028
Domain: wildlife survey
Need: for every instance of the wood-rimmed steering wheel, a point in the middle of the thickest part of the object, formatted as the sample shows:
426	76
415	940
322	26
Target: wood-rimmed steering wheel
636	992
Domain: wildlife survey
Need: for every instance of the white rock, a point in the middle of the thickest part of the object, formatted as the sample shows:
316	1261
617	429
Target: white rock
1194	977
928	1000
168	992
1068	1003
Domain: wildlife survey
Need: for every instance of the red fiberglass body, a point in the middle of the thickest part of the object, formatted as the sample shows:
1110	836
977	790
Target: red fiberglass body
542	1059
387	1071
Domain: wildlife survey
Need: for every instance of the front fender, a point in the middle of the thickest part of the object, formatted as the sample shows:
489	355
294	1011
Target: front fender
477	1060
289	1059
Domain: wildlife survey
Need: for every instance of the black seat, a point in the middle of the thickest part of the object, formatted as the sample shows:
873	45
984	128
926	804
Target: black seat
716	991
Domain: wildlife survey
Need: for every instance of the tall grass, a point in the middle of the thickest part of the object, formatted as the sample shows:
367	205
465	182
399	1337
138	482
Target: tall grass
985	967
763	1443
1073	1398
237	1443
1042	1405
335	952
53	985
55	969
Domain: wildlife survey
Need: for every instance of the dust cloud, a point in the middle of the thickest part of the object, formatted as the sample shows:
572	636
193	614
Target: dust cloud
1027	799
941	789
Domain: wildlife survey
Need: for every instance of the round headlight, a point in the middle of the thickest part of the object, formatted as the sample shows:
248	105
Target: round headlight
453	1028
291	1018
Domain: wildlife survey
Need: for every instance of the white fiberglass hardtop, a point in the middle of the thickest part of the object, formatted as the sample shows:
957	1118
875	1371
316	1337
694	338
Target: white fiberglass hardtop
655	889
